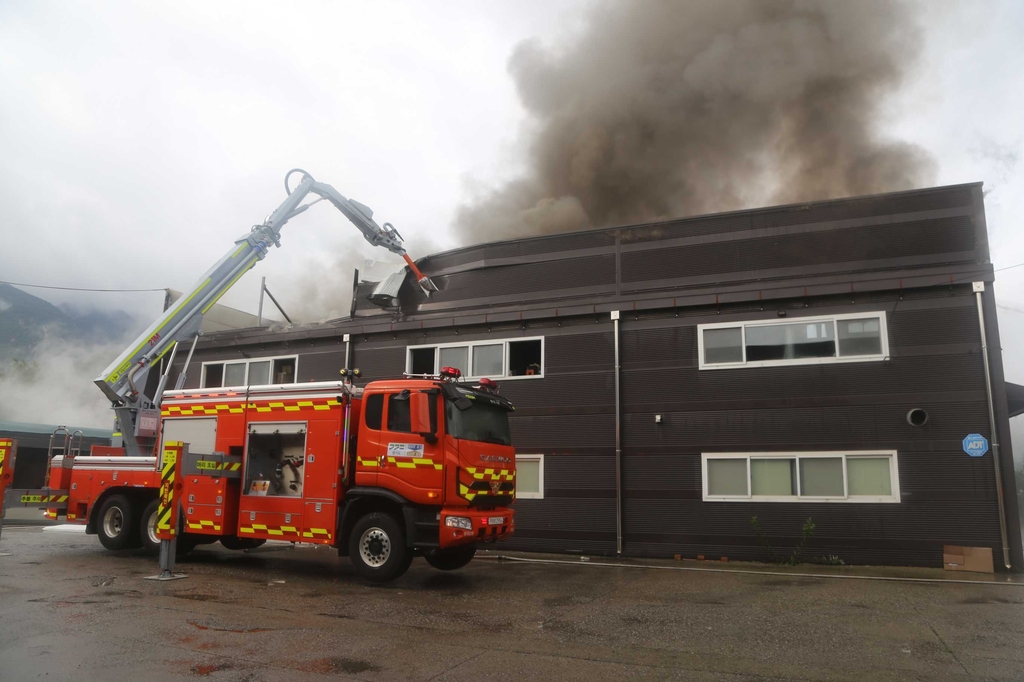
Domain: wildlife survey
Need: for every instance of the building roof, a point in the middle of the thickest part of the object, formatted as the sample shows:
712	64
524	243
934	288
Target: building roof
900	240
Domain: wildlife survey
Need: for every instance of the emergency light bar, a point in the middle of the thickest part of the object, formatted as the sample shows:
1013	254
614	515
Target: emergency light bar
451	373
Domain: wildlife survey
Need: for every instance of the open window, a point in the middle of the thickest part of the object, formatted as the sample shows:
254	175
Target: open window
276	453
526	358
494	359
399	413
422	360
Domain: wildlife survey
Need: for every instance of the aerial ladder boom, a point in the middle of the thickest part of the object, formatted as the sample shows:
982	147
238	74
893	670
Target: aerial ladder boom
124	379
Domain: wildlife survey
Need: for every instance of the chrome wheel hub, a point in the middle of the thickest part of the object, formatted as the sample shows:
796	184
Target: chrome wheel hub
113	522
151	528
374	547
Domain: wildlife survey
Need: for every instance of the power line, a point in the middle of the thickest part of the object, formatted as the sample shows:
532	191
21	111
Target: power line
46	286
1008	267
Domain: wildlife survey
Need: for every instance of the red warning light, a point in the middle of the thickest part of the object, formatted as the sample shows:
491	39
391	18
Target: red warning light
451	372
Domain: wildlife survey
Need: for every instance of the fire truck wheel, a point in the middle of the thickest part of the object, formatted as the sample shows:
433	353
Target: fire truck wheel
452	558
377	548
116	523
147	528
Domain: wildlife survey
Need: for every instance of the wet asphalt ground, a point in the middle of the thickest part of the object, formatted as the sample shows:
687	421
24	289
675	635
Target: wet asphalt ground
69	610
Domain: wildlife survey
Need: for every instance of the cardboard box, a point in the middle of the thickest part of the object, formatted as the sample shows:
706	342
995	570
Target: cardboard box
972	559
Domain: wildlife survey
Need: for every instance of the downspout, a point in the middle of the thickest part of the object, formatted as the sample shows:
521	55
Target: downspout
618	439
347	338
979	287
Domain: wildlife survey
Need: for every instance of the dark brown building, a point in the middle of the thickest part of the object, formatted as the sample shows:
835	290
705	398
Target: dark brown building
818	361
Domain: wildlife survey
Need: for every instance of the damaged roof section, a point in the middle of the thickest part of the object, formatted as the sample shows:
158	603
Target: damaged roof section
902	240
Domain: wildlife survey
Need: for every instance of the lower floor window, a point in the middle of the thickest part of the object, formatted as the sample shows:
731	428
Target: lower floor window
859	476
530	477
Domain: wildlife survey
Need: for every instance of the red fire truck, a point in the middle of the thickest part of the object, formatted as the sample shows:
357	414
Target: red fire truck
414	466
401	468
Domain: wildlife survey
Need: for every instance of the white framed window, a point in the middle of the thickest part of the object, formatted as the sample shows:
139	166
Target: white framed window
850	337
495	358
840	476
280	369
529	477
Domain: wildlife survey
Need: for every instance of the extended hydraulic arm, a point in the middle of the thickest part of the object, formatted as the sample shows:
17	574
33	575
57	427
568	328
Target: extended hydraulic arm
123	379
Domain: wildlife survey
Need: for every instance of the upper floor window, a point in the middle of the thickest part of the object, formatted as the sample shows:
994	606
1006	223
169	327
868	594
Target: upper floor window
254	372
853	337
494	359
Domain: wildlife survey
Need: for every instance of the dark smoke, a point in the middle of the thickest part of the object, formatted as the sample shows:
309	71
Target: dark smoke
664	108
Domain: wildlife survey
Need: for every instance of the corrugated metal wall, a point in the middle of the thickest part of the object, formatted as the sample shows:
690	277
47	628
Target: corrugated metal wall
947	497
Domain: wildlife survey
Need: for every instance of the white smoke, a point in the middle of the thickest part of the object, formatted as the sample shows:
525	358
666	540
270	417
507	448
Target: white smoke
53	384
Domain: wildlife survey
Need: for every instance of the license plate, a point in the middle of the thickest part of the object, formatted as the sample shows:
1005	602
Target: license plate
495	520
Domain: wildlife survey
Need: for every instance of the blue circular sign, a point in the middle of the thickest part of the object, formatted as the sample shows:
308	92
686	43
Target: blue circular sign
975	445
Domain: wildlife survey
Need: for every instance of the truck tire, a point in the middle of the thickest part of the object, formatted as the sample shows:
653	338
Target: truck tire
147	533
115	523
377	548
147	528
450	559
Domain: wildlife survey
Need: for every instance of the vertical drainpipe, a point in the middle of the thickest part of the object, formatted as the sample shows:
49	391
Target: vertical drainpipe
979	287
618	439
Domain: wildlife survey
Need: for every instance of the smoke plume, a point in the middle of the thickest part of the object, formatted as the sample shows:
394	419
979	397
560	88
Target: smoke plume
660	108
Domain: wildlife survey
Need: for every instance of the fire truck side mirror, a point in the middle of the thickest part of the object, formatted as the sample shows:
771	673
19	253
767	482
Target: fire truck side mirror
419	416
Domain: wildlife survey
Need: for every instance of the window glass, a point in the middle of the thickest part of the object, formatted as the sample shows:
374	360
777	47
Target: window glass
456	356
482	422
234	374
488	360
524	358
790	341
398	413
860	337
868	475
373	408
727	477
214	376
528	477
723	345
775	476
259	373
284	371
422	360
821	477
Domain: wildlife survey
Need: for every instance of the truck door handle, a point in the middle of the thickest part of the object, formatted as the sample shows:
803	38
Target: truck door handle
383	459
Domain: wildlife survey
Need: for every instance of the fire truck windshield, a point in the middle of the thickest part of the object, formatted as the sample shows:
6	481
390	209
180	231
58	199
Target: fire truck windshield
480	422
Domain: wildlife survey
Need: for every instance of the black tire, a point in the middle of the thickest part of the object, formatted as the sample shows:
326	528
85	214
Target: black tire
377	548
147	528
450	559
233	542
115	523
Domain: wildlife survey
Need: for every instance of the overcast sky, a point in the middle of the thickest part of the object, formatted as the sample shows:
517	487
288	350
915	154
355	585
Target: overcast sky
139	140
